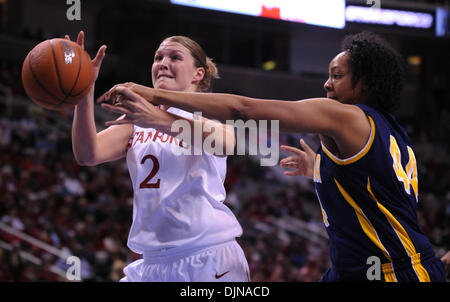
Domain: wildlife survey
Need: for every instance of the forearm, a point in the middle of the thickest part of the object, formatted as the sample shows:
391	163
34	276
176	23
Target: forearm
84	132
319	115
293	116
201	133
218	106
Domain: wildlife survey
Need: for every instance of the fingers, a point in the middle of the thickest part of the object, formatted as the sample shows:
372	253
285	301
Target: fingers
289	159
123	91
101	98
292	173
100	55
108	96
291	164
97	61
446	267
80	39
116	109
291	149
446	261
126	92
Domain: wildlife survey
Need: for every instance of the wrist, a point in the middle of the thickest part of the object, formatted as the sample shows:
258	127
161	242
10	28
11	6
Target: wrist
87	100
160	97
137	88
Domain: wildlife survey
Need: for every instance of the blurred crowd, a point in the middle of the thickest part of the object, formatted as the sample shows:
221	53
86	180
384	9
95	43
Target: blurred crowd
87	211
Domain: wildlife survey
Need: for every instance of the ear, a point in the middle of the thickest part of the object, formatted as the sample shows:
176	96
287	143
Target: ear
198	75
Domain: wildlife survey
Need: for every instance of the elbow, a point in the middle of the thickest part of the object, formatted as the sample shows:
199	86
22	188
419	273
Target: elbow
84	154
85	161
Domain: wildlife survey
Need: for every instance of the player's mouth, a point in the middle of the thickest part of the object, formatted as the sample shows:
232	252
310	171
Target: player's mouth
164	76
331	96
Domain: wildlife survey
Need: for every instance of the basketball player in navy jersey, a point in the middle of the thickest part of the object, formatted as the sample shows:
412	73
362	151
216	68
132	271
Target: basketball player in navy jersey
365	170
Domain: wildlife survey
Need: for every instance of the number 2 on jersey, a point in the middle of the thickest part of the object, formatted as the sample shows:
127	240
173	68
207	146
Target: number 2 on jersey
146	183
408	177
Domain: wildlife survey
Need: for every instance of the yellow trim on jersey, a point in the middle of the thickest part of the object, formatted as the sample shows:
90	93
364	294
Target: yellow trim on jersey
421	272
388	272
406	241
411	170
357	156
367	227
398	228
317	177
324	214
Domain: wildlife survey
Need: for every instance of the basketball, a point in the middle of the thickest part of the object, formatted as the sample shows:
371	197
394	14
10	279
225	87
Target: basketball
57	74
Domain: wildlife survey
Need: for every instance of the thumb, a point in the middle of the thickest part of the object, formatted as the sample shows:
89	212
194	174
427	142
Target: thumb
97	61
305	146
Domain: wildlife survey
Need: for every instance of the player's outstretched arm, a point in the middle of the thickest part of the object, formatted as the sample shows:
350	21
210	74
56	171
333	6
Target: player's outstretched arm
317	115
347	125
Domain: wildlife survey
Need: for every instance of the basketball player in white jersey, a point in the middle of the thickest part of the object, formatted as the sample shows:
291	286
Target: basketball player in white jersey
180	224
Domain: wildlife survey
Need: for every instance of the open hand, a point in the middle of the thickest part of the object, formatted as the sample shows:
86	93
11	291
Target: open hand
302	160
97	61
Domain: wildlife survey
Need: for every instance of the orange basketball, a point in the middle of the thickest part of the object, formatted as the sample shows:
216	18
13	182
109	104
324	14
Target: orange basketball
57	73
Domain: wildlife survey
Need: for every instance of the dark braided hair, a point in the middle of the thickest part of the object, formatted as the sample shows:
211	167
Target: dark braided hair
379	66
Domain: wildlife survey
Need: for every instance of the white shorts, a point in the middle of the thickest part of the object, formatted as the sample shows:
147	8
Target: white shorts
224	262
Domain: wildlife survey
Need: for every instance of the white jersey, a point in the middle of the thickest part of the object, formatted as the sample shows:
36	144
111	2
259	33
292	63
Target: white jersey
178	199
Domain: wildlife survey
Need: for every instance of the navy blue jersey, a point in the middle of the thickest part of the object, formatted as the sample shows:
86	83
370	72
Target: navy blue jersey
369	202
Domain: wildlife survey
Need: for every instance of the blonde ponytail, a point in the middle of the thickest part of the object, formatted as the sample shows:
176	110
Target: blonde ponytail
211	72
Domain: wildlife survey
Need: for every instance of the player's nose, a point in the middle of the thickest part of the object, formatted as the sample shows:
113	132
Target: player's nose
327	86
164	64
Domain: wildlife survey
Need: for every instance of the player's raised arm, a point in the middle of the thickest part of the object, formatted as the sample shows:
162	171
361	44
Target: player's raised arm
90	147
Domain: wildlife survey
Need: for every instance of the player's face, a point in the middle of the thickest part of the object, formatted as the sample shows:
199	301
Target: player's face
173	68
339	84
